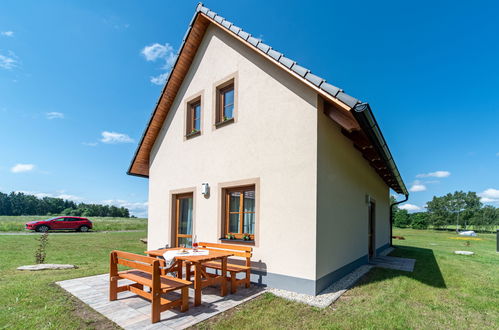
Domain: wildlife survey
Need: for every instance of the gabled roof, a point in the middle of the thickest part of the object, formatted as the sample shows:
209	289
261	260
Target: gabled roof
355	117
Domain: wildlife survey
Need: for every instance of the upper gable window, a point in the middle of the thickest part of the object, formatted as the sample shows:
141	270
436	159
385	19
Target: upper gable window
193	126
225	105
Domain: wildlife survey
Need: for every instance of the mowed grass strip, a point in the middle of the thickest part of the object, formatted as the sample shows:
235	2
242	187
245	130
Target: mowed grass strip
31	300
17	223
445	291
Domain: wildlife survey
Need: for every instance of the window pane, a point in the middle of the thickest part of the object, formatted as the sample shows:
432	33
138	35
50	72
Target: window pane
229	111
249	201
185	216
187	241
228	97
234	201
234	223
228	103
197	116
249	223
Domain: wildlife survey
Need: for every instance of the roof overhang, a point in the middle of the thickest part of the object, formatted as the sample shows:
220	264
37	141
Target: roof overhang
355	118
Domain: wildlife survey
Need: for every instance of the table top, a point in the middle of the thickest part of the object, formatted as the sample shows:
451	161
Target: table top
202	258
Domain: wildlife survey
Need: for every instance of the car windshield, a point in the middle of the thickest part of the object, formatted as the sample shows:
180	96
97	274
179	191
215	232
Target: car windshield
52	219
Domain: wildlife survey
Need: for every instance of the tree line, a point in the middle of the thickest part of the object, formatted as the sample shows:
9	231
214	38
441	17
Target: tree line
18	203
459	210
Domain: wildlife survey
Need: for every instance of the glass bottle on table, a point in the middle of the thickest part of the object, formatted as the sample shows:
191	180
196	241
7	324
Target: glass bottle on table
195	244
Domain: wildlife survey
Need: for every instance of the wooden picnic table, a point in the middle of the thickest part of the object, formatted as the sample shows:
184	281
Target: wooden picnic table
202	279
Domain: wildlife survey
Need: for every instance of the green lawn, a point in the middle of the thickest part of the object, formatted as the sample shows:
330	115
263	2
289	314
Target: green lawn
30	300
16	223
445	291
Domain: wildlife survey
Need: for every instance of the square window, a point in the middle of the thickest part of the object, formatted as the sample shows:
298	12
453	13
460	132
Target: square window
240	212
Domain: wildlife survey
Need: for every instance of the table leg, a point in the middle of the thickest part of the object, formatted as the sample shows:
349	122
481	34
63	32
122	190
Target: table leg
223	284
197	284
179	268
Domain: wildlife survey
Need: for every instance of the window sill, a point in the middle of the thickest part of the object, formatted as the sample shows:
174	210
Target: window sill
237	241
192	134
225	122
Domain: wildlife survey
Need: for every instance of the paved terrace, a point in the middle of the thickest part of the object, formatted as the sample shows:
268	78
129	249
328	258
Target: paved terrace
134	312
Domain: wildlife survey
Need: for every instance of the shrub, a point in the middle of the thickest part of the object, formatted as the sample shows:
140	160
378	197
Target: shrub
40	253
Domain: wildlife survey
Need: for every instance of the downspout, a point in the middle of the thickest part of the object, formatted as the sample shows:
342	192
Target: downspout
391	217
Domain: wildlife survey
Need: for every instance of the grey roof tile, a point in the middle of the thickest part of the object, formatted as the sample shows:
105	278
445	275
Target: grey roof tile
300	70
274	54
235	29
219	19
204	10
211	14
316	80
347	99
333	90
244	35
263	47
254	41
287	62
226	24
199	6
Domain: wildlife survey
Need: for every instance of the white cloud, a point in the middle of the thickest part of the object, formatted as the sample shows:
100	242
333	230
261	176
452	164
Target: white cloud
161	79
409	207
157	51
19	168
160	52
59	195
417	186
437	174
54	115
7	33
113	137
489	196
136	208
8	62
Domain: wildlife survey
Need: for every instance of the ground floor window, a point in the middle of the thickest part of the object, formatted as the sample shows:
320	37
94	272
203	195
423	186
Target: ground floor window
240	212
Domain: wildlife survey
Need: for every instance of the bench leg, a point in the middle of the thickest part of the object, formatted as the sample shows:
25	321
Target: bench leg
156	307
113	288
233	284
185	300
247	279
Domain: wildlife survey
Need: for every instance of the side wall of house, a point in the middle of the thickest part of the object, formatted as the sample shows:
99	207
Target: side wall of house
273	142
344	179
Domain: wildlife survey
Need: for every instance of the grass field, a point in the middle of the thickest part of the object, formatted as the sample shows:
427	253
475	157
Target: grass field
16	223
446	291
30	300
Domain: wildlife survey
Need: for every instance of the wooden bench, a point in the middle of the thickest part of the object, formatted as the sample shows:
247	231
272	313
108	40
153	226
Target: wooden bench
146	272
238	251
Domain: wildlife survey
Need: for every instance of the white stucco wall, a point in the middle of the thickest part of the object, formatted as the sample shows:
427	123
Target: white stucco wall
273	139
344	179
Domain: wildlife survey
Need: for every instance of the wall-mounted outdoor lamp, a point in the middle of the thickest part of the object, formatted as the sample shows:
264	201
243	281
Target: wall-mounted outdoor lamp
205	189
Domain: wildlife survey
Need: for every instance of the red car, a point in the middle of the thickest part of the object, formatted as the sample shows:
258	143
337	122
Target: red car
60	223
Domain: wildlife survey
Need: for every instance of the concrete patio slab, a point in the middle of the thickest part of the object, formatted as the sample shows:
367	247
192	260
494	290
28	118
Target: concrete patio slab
131	311
396	263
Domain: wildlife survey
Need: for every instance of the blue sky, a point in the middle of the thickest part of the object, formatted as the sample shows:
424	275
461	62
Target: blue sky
79	80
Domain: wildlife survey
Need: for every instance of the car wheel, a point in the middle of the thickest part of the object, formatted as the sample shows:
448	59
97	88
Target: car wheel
84	228
42	229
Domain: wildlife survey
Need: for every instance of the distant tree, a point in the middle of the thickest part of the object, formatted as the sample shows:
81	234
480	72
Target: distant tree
420	220
401	219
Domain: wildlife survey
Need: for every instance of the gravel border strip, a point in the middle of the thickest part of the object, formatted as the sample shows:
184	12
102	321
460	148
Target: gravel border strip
331	293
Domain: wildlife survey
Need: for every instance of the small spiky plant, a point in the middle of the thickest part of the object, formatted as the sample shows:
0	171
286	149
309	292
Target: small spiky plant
40	253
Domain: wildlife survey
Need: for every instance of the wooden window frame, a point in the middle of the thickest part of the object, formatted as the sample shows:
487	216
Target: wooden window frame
176	208
190	119
220	87
227	212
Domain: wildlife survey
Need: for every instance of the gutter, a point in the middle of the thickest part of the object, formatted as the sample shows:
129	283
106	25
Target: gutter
364	116
391	216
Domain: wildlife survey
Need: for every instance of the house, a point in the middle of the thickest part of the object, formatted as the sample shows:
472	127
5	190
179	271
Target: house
244	142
